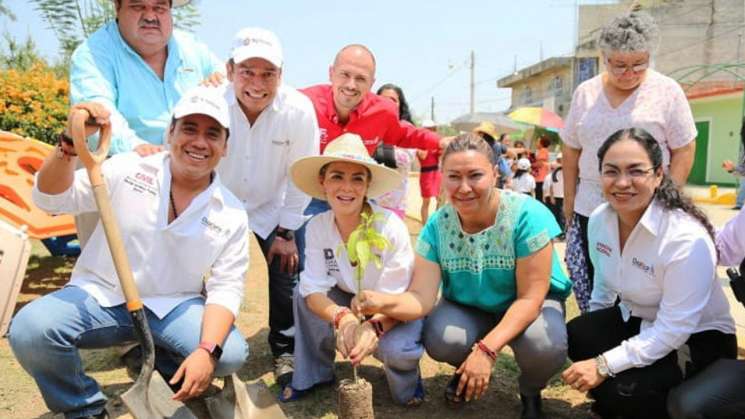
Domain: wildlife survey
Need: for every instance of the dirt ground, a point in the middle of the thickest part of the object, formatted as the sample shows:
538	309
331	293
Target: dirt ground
20	398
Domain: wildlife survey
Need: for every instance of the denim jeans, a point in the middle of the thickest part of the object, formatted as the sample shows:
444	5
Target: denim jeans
45	336
740	200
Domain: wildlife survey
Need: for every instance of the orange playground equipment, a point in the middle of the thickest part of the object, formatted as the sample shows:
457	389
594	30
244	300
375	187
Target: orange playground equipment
20	159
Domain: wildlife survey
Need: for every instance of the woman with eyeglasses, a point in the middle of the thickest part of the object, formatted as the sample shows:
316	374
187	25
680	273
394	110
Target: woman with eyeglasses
658	314
627	94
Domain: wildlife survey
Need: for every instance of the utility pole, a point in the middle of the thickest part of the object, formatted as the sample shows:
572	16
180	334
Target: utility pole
540	51
473	81
432	109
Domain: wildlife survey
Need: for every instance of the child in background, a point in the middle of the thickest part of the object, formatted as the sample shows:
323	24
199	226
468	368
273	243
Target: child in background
523	181
430	176
553	192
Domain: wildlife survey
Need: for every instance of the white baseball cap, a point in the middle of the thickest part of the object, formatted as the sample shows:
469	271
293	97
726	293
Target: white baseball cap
256	43
204	100
523	164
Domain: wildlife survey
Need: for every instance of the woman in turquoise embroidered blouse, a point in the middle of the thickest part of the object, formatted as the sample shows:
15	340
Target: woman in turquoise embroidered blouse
502	284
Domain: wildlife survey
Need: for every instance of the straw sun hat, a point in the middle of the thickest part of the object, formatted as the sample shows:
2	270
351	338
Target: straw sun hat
345	148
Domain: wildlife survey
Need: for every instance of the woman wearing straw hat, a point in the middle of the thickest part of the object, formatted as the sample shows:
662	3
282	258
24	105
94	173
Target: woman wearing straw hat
346	176
502	284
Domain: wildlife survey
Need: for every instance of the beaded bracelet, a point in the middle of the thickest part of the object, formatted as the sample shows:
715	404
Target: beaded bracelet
485	349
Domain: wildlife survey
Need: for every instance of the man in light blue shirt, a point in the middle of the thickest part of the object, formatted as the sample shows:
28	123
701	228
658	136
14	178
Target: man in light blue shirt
138	67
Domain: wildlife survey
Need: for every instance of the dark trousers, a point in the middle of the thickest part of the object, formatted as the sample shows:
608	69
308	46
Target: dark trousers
640	392
281	284
539	191
557	209
718	392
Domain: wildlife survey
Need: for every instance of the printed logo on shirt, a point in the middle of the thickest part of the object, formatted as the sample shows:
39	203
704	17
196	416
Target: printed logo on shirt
537	242
373	141
643	266
281	142
603	248
211	225
141	183
324	134
186	70
331	265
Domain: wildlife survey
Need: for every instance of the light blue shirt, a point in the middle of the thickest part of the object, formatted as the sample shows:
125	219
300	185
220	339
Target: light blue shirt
107	70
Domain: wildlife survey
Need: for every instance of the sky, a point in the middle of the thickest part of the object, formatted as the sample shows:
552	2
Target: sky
423	46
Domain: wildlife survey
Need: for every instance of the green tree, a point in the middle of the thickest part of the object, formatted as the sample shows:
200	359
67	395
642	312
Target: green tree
5	11
74	20
18	55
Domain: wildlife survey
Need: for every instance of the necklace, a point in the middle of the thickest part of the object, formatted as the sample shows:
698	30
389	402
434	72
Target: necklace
173	202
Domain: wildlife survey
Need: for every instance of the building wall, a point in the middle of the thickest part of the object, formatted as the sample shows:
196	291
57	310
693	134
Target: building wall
692	32
725	113
543	92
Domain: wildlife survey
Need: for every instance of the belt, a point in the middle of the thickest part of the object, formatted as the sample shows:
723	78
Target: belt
428	169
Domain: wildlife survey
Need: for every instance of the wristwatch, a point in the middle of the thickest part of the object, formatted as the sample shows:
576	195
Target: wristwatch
602	366
286	234
213	349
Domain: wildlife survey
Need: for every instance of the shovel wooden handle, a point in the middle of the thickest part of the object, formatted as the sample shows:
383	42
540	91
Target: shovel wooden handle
92	161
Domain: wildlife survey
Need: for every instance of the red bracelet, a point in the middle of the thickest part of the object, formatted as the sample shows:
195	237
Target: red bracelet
377	327
485	349
340	313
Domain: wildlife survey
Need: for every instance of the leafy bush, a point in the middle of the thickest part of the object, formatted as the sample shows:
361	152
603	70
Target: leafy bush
33	103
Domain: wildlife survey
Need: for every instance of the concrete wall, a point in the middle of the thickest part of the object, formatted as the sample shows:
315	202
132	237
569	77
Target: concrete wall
692	32
725	114
542	94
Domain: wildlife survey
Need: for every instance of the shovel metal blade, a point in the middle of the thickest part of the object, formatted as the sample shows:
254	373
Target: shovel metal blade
154	400
239	400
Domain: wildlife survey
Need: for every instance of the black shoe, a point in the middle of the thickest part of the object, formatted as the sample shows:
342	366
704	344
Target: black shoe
531	407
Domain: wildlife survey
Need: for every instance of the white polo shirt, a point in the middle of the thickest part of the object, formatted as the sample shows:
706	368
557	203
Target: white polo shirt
170	262
731	241
666	276
326	265
256	168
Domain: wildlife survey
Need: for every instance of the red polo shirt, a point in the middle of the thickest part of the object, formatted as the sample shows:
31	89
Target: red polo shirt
375	119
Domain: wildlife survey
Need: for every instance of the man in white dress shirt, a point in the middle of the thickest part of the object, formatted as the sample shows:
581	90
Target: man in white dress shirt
272	126
186	237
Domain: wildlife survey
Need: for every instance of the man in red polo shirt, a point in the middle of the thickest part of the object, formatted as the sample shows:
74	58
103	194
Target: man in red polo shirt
348	105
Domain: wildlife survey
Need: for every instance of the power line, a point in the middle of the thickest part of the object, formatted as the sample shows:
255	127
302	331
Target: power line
439	83
708	38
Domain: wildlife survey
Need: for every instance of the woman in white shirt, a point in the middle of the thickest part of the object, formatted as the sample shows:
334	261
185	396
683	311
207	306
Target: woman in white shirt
346	176
657	313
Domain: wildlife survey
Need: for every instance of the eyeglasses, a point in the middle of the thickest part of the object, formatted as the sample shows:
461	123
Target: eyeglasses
633	174
620	70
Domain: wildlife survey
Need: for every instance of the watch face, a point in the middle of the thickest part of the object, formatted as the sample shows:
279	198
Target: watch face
217	353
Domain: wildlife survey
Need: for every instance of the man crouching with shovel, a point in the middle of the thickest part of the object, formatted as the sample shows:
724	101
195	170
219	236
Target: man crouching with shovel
185	236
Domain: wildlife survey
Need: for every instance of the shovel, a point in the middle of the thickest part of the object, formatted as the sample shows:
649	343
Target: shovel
149	397
239	400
